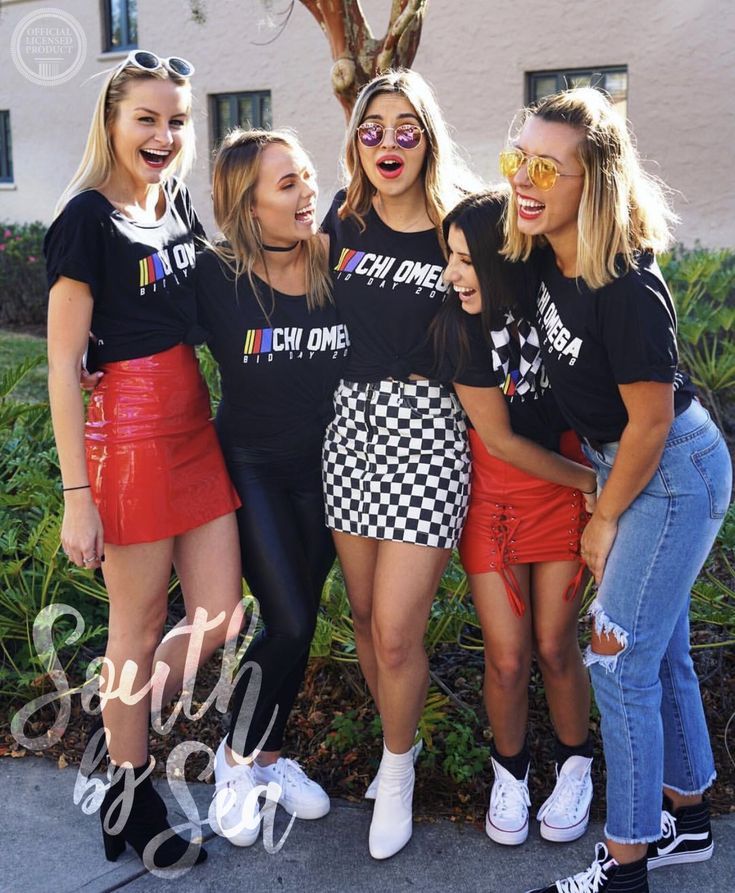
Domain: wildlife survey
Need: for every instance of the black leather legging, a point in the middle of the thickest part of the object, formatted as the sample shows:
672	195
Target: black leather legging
287	553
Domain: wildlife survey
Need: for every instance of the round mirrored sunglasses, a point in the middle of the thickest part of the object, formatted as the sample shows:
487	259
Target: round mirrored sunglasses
406	136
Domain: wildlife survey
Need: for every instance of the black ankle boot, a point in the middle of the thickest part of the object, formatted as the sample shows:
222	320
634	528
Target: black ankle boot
133	812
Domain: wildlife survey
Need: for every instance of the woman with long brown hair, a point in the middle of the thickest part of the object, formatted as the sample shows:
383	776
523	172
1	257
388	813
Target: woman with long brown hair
531	490
396	466
264	296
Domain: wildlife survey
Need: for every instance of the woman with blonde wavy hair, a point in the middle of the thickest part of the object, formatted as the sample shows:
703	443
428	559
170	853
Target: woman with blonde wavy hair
264	296
396	465
591	220
144	481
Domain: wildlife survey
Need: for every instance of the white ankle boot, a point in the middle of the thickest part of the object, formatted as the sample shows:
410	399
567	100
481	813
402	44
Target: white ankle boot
372	790
392	824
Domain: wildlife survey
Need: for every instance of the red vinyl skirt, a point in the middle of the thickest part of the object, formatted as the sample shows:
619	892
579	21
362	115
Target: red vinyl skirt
155	465
515	518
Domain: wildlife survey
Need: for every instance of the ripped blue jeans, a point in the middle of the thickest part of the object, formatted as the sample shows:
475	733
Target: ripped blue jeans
653	726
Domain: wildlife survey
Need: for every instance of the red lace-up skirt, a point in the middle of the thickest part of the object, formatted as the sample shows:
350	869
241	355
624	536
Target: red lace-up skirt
515	518
155	465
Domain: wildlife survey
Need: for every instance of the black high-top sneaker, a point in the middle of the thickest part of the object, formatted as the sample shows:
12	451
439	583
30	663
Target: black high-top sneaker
686	836
605	875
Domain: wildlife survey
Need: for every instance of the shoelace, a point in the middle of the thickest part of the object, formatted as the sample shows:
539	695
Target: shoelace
590	880
291	773
237	780
668	824
568	794
506	797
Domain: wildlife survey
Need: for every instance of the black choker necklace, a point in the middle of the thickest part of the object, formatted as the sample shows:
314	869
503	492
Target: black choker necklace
279	247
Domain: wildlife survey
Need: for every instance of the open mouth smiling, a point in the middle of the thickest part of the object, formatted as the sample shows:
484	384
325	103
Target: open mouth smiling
529	208
155	158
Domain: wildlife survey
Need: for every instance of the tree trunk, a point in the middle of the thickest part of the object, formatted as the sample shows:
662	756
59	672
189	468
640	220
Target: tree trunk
358	56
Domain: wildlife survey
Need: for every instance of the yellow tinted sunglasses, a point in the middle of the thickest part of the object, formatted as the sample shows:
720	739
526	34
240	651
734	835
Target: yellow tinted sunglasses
542	172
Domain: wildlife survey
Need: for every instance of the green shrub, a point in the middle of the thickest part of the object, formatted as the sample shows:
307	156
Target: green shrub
702	284
22	274
33	573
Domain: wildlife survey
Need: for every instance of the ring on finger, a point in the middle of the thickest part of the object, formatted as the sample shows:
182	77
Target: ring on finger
92	557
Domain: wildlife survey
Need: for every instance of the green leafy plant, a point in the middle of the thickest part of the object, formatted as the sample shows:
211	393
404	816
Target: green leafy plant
22	274
702	284
33	575
713	594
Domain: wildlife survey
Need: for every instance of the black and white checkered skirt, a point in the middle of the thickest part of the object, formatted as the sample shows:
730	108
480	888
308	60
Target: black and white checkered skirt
396	464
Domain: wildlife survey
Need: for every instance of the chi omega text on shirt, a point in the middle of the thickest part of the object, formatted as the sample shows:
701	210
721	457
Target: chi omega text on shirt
157	266
291	340
381	268
556	335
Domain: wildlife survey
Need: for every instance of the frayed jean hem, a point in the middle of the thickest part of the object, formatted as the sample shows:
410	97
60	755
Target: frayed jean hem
696	793
630	841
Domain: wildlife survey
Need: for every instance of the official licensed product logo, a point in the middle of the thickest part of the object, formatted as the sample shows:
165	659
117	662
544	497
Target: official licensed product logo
48	47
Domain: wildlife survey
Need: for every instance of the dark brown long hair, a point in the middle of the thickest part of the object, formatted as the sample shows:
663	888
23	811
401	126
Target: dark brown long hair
480	218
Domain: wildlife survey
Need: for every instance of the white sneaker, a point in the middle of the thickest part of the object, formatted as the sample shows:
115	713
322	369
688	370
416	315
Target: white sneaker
234	812
566	813
506	820
372	789
300	796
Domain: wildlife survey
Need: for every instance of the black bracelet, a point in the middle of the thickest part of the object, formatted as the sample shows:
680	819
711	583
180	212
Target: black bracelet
80	487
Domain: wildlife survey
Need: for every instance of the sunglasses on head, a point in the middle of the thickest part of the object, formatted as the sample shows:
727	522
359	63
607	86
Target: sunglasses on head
542	172
151	62
372	133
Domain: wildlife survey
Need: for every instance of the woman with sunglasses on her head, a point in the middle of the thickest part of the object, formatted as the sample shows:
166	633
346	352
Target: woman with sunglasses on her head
264	296
396	467
144	480
520	543
607	324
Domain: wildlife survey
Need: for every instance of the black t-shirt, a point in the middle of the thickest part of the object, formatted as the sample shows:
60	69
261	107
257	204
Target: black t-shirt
511	361
140	276
594	341
278	371
388	286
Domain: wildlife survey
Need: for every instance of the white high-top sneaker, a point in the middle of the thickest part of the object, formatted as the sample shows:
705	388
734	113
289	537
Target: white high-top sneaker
506	820
566	813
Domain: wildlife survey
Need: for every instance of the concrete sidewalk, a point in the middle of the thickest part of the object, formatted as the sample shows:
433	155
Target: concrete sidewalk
49	846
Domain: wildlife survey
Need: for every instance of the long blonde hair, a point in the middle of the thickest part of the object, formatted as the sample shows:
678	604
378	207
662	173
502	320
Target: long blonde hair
234	180
623	210
98	160
446	177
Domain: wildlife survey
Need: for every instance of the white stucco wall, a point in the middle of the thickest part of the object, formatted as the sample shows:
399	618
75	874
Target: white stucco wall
680	56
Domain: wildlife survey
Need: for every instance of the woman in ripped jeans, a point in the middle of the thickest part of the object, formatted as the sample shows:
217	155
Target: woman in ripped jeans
590	219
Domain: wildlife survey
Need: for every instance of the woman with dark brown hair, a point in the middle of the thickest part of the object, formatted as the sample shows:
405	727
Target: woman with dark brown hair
530	492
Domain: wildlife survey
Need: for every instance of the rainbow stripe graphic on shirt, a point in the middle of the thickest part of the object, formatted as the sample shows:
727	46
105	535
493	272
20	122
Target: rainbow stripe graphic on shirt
258	341
151	269
509	385
348	260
